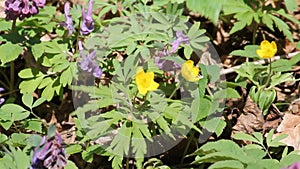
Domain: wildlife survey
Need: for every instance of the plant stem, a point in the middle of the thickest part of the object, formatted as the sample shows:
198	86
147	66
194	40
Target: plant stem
191	138
174	91
12	76
13	26
209	91
255	26
269	73
127	163
12	64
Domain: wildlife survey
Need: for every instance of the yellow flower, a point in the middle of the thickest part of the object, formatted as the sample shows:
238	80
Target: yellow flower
145	81
189	71
267	50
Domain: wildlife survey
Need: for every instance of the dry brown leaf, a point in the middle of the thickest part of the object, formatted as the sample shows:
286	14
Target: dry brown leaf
290	125
250	120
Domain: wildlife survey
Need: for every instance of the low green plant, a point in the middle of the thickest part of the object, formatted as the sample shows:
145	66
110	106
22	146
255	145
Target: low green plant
258	153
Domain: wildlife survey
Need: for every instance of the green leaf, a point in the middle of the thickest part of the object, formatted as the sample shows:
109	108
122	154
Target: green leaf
206	8
70	165
291	5
3	138
19	138
204	108
27	99
289	159
298	45
226	93
37	50
34	140
227	164
30	85
265	99
21	159
249	51
73	149
267	20
239	25
34	124
245	136
30	73
280	78
269	137
9	52
38	102
213	72
48	93
282	26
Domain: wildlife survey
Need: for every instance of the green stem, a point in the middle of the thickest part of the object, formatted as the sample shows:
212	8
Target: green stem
4	85
174	91
12	76
13	26
12	64
6	150
269	74
209	91
255	26
5	77
10	92
191	138
127	163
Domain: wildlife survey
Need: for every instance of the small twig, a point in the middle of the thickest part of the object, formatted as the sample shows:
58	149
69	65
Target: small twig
260	62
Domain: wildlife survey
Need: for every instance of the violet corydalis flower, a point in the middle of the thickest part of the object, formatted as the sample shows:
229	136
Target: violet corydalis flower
68	24
88	63
180	38
87	22
168	65
22	8
49	154
295	165
2	100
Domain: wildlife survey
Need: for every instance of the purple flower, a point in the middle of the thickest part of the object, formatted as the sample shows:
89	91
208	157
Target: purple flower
68	24
87	22
294	166
22	8
180	38
166	65
2	100
88	63
49	154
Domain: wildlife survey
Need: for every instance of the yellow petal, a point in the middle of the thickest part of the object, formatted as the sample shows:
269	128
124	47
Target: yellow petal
145	81
264	44
153	86
189	71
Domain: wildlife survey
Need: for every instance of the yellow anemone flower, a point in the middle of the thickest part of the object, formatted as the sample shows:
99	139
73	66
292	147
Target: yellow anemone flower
189	71
267	50
145	81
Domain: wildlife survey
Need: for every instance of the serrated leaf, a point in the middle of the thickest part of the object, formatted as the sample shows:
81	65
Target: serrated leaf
245	136
282	26
207	8
239	25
